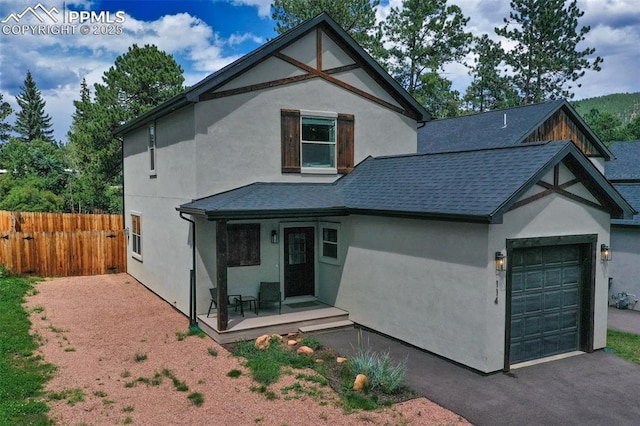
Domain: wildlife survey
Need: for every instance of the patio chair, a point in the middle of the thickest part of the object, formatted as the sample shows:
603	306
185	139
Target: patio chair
270	293
237	301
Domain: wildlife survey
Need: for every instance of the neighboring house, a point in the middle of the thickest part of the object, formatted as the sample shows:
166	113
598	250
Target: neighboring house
624	173
549	121
297	164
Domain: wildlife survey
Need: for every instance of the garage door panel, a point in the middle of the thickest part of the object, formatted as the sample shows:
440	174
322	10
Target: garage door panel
532	327
533	304
534	280
545	302
553	300
532	257
551	322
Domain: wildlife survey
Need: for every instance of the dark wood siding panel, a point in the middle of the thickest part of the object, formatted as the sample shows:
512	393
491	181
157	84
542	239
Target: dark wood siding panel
560	127
290	134
345	143
243	245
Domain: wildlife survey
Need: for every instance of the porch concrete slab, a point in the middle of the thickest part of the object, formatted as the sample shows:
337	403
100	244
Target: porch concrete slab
587	389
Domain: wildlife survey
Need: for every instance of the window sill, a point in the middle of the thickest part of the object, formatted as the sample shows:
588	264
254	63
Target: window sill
152	174
329	261
136	257
318	171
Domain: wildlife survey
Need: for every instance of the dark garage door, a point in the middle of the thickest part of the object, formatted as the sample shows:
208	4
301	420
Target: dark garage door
545	301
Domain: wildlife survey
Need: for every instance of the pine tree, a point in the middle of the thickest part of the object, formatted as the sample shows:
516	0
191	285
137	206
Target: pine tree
489	89
424	36
545	62
357	17
140	79
5	128
31	121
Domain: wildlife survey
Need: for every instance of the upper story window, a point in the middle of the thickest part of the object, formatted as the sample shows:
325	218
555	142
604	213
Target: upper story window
317	142
152	150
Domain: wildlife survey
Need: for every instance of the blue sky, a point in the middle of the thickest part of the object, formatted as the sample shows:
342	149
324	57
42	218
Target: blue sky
205	35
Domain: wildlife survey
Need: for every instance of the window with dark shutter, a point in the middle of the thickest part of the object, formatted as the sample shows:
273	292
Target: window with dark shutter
243	248
290	133
319	152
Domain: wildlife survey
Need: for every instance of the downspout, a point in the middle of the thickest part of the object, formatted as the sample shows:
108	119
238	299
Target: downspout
193	322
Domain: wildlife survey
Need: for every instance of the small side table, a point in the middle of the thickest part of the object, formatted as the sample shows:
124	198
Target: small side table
249	299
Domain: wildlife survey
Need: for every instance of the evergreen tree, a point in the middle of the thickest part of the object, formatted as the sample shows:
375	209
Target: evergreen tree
31	121
141	79
489	90
425	35
5	128
357	17
545	62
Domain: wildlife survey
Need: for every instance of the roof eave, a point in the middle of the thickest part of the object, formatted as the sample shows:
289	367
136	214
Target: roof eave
452	217
173	104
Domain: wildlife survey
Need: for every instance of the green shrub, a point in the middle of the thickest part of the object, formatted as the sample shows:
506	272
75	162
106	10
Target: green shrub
196	398
379	370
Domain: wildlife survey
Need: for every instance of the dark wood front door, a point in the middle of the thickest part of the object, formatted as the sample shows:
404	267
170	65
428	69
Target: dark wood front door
299	261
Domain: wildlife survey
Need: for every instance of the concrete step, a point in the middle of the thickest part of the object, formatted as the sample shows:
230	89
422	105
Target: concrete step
326	326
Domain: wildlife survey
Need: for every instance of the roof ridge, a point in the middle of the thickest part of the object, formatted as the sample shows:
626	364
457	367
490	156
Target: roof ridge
480	148
559	101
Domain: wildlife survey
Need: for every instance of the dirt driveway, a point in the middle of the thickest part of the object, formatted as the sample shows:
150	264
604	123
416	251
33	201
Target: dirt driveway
119	360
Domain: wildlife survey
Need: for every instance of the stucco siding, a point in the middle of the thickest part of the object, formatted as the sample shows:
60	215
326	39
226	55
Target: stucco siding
553	215
166	246
624	268
419	281
238	137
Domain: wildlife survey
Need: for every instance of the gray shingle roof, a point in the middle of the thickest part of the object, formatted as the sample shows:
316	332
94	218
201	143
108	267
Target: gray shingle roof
271	200
488	130
471	186
631	192
626	165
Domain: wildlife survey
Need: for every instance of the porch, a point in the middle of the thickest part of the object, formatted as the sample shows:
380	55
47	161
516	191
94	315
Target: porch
295	317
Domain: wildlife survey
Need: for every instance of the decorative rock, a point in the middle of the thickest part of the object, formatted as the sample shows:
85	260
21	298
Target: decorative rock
292	342
277	337
360	383
263	342
319	361
292	335
341	360
305	350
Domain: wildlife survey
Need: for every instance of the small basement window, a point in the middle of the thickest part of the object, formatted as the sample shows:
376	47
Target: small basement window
243	247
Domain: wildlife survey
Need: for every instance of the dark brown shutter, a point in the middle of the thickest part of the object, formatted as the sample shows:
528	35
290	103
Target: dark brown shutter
290	134
345	142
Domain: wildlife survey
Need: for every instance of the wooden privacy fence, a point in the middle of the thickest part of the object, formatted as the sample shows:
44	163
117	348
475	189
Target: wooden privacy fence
62	244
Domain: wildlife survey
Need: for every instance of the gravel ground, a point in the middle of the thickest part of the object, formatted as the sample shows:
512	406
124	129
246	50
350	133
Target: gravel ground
94	328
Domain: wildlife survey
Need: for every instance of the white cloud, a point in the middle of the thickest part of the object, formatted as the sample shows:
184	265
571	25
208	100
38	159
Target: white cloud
264	6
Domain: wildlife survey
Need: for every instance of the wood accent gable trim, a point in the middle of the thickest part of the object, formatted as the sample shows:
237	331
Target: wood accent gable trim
318	49
340	83
557	189
273	83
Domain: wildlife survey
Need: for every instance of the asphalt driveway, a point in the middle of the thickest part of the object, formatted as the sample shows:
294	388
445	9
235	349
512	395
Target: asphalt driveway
590	389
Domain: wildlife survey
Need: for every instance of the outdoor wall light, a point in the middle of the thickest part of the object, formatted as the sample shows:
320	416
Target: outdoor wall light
274	237
605	253
501	261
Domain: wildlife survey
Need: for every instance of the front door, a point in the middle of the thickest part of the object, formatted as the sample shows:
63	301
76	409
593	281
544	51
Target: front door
299	262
